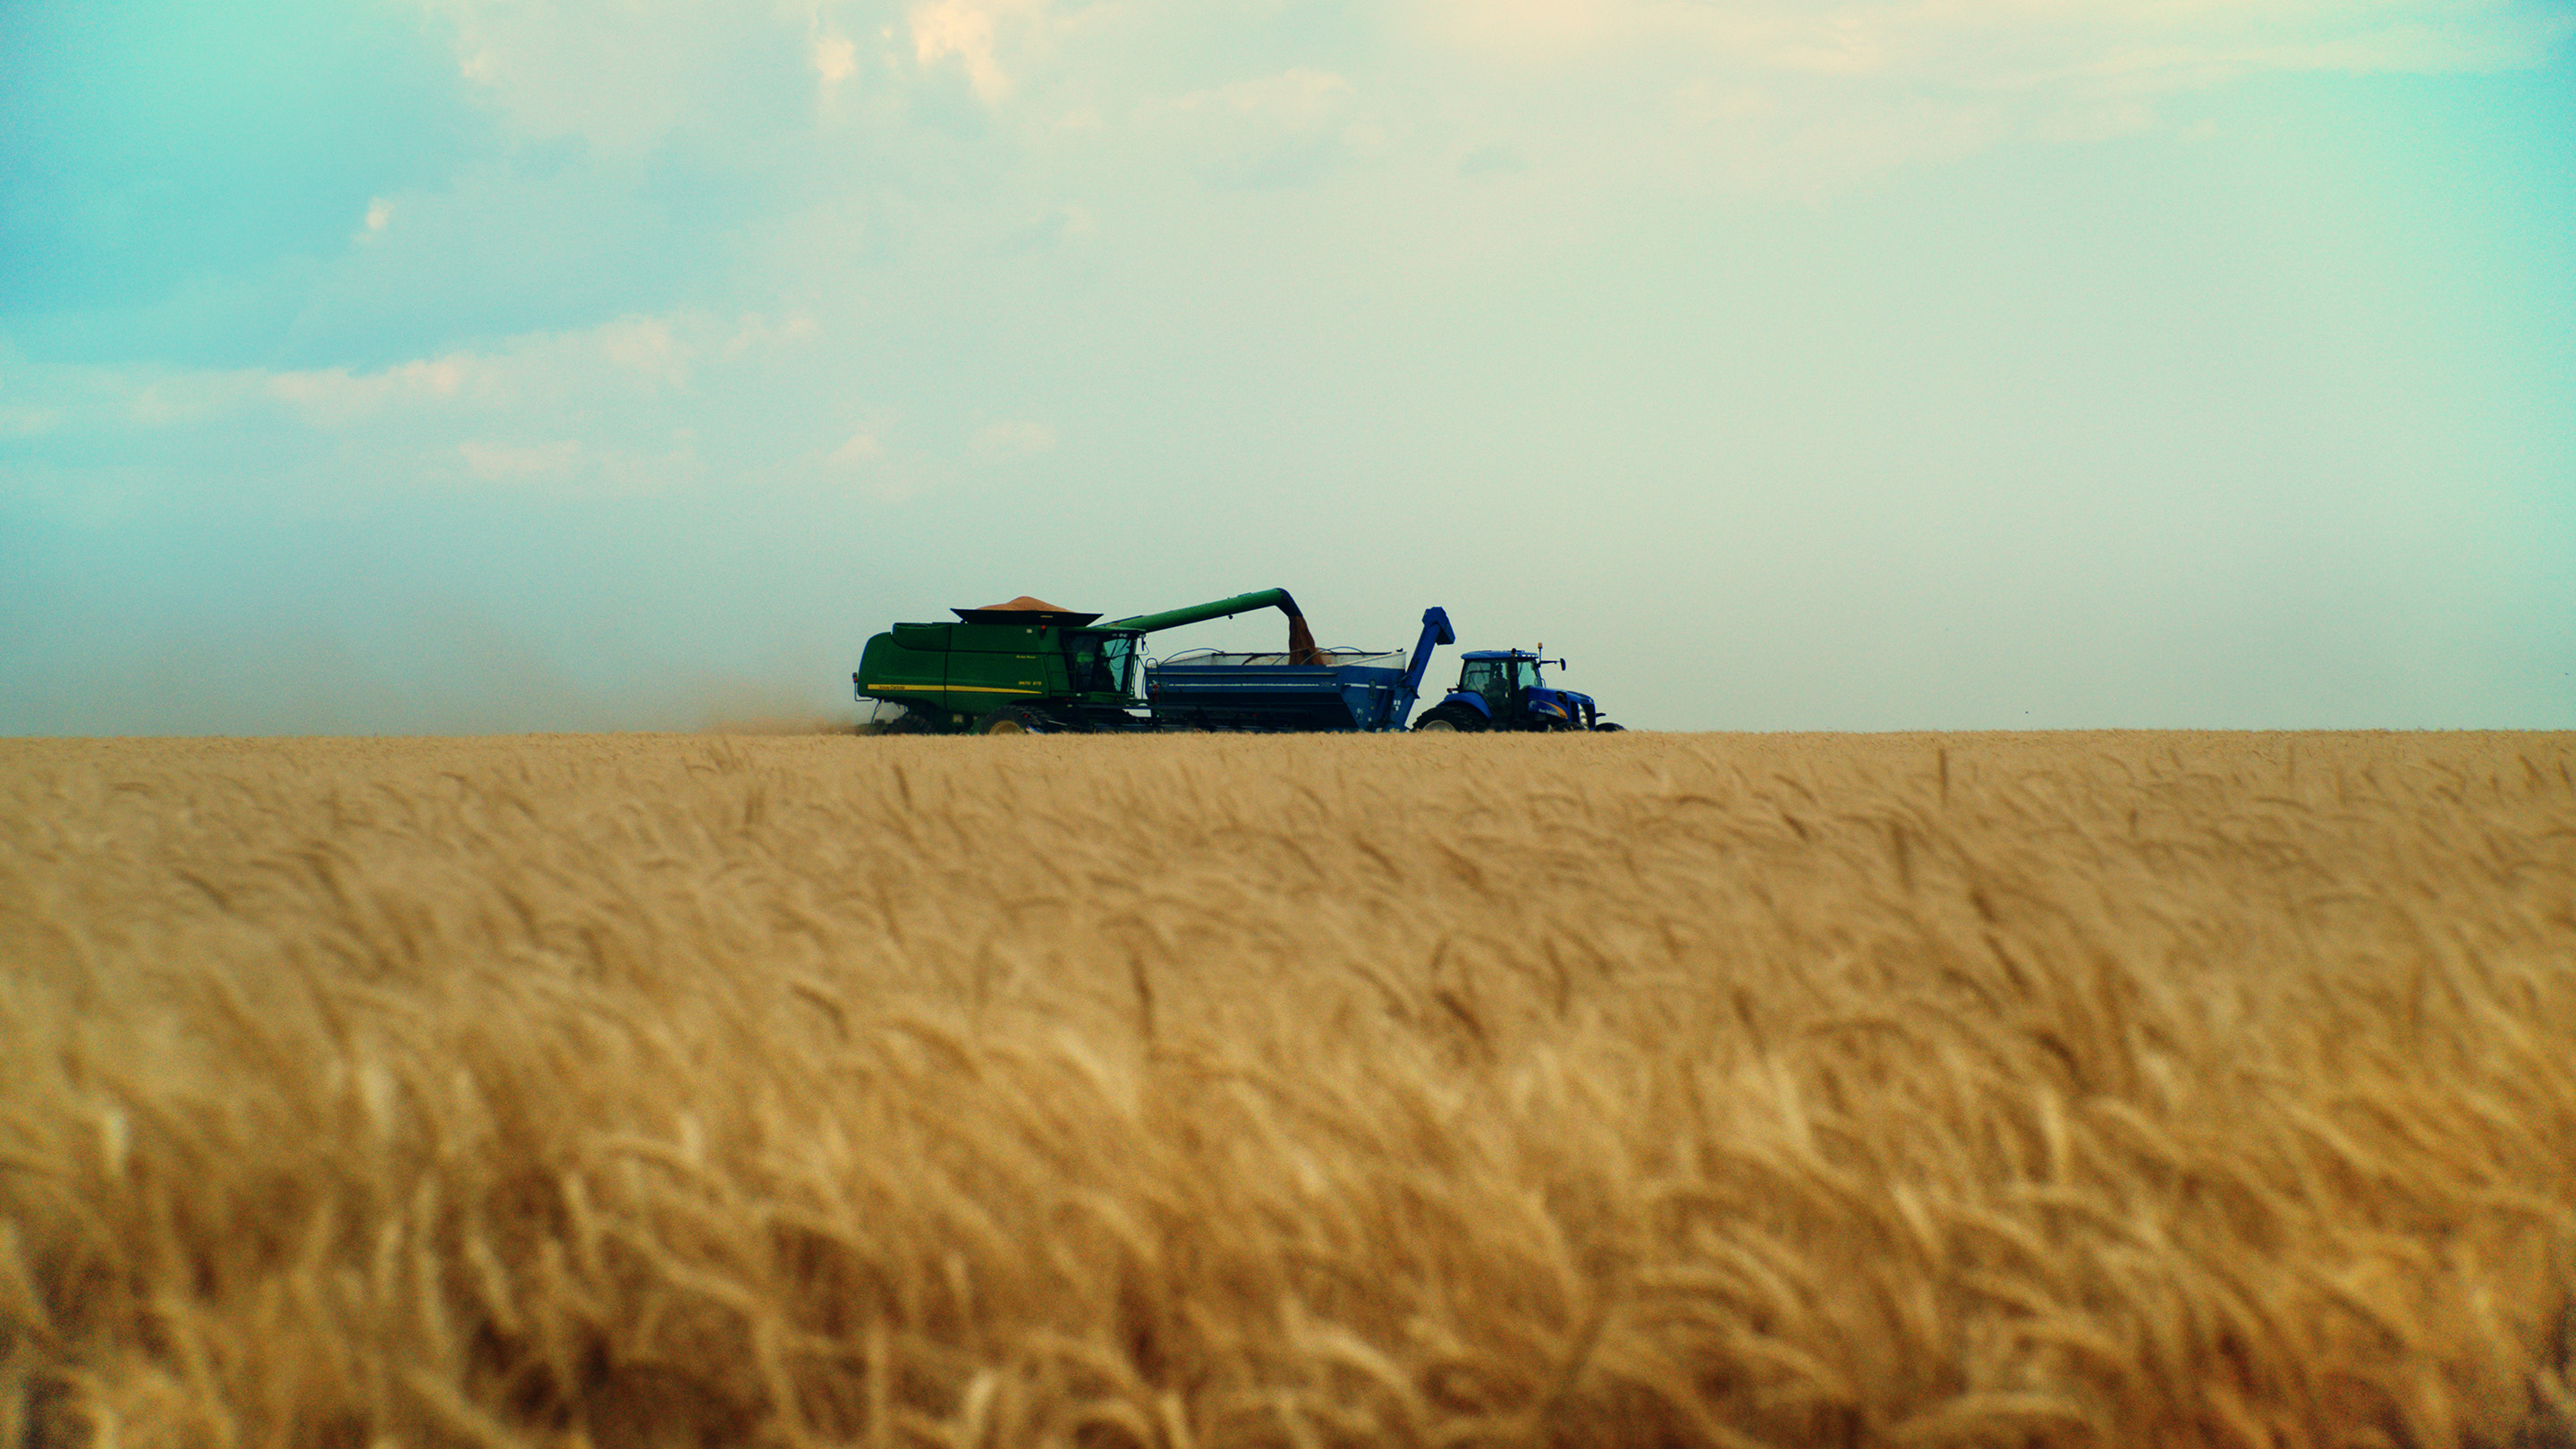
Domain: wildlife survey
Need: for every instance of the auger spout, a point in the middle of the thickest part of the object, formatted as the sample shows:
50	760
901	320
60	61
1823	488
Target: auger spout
1435	632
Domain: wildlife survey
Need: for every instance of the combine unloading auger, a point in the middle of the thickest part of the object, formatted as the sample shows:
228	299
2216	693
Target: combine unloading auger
1301	642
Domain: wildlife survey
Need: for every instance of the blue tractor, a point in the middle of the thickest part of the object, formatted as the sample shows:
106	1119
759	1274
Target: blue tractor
1500	689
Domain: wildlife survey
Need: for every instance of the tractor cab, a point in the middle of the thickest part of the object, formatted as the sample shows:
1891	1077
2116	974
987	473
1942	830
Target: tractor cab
1500	689
1499	679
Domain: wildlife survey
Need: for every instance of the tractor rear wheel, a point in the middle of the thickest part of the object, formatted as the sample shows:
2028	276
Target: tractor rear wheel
1449	718
1011	719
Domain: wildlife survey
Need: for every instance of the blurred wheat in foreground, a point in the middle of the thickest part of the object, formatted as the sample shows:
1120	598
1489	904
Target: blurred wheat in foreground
2111	1089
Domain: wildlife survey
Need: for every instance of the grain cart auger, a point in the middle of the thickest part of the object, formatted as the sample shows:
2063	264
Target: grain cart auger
1029	667
1499	689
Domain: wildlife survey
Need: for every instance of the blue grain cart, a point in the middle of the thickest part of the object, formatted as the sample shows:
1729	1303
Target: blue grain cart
1335	690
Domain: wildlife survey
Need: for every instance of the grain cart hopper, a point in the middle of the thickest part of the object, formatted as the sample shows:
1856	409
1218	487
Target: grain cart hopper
1028	667
1329	690
1499	689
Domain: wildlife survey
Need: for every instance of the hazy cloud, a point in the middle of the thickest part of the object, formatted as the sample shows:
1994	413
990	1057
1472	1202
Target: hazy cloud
1770	91
995	442
859	450
333	397
964	30
836	59
1272	130
620	75
494	462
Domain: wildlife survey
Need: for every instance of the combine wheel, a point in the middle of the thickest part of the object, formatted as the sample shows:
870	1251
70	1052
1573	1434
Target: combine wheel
1450	718
906	723
1011	719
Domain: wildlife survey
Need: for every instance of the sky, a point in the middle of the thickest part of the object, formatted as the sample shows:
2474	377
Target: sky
437	366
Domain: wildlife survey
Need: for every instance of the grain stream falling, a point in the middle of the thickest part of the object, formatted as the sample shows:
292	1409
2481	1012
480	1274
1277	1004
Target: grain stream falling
1216	1091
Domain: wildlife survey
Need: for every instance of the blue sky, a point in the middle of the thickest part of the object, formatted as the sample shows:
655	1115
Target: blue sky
464	366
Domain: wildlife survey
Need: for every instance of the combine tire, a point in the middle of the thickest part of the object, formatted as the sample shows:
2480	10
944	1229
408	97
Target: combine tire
1450	718
1011	719
904	724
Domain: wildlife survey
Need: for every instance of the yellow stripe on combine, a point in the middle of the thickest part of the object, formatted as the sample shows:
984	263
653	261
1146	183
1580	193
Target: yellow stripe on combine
944	689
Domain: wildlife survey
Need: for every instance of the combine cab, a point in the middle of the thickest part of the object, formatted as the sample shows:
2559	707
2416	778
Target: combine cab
1500	689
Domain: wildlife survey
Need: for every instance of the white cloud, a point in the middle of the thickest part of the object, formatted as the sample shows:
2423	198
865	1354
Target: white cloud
606	409
1782	90
502	462
646	347
996	442
621	74
164	399
1272	130
864	463
757	332
1300	100
567	467
28	422
1764	91
333	397
835	58
2010	43
75	399
944	28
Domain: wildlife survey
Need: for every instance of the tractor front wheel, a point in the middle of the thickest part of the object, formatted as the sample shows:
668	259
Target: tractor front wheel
1450	718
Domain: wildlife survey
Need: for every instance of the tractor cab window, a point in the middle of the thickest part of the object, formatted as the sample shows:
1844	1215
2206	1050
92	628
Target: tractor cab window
1485	677
1525	673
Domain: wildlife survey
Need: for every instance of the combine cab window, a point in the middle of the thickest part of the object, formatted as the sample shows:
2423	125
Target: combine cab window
1118	663
1100	663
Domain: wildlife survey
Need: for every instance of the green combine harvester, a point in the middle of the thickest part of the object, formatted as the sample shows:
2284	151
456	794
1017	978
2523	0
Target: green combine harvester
1028	667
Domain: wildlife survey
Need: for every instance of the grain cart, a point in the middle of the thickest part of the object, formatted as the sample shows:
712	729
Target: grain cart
1029	667
1499	689
1330	690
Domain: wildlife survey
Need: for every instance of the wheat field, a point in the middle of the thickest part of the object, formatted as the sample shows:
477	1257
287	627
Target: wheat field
1909	1090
